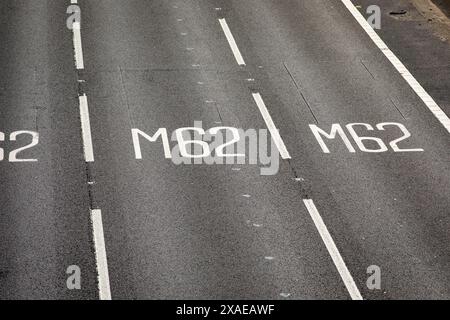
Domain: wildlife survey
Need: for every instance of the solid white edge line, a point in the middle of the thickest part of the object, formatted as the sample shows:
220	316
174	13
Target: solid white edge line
79	60
271	126
86	129
232	42
413	83
333	250
100	255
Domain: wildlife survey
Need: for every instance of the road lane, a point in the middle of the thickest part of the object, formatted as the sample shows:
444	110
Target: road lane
388	209
44	205
189	231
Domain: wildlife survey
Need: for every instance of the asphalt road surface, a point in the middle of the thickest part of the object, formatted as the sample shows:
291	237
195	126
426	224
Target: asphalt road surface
361	215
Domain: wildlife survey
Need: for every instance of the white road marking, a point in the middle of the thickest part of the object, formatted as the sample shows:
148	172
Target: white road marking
271	126
96	215
333	250
86	129
413	83
232	42
100	255
79	60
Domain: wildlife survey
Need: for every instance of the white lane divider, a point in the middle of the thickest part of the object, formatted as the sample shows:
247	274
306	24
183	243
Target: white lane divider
76	27
100	255
333	250
96	214
271	126
232	42
86	129
320	225
79	60
413	83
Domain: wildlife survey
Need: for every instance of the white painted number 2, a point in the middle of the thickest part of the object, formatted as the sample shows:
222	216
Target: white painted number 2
14	155
394	143
220	149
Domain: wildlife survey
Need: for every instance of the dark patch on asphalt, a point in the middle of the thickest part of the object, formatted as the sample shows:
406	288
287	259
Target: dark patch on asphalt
398	12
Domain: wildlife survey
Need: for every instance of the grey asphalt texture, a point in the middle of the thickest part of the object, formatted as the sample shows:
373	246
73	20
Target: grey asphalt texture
211	231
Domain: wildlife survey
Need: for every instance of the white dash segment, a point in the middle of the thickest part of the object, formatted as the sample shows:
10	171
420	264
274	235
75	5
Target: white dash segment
100	255
86	129
79	60
271	126
399	66
232	42
333	250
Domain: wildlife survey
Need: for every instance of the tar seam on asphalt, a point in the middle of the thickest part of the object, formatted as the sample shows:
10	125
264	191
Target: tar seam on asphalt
301	93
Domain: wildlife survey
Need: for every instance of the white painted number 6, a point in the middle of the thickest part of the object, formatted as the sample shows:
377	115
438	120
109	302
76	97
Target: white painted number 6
359	140
206	152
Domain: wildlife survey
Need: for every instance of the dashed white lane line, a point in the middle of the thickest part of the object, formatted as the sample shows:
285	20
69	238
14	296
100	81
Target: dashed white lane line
86	129
79	60
96	214
232	42
271	126
320	225
100	255
333	250
413	83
